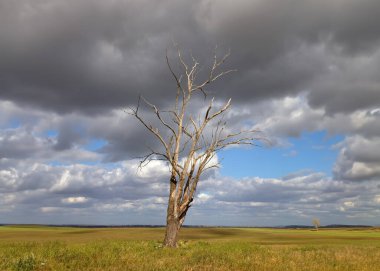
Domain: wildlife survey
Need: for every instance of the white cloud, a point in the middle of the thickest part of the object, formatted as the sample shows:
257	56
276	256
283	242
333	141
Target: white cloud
121	196
73	200
152	169
50	209
349	204
358	159
202	198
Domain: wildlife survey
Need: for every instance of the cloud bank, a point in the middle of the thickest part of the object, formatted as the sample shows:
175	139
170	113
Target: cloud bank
68	69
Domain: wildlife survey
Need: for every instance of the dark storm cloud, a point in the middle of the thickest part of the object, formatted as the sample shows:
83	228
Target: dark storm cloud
282	47
126	138
351	84
83	55
91	56
67	136
270	27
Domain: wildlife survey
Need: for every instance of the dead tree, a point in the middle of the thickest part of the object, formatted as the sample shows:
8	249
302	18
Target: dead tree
316	223
189	141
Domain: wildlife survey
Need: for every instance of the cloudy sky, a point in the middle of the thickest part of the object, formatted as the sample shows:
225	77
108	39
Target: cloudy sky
308	78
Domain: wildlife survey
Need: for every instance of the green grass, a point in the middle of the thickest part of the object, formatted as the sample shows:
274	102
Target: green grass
55	248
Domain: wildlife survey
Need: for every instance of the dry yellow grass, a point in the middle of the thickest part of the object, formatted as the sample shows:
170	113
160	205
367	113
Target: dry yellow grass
203	249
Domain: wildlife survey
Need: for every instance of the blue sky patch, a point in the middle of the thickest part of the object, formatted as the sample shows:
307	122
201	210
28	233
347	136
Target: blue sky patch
311	151
12	123
95	144
51	133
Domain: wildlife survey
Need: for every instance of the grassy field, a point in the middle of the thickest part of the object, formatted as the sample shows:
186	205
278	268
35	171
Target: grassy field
58	248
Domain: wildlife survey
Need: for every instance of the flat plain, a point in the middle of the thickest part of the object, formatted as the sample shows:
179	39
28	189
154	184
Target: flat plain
69	248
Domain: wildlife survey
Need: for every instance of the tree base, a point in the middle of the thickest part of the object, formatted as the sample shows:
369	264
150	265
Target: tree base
171	235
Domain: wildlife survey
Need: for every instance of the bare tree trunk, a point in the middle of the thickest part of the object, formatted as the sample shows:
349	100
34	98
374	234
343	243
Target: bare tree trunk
171	235
172	224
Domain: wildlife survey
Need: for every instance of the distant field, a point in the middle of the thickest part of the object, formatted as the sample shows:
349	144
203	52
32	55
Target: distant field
58	248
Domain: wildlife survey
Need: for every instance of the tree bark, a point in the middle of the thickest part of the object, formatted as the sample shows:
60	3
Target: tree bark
172	223
171	235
